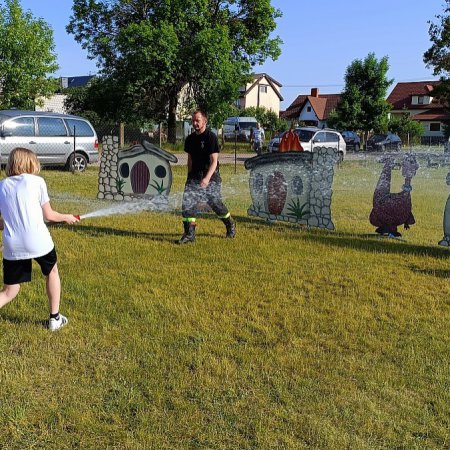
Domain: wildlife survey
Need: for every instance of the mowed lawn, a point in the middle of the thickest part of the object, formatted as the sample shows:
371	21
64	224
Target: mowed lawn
283	338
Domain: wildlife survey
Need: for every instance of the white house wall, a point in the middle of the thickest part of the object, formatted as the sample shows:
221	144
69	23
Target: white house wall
53	104
426	127
269	100
425	123
310	115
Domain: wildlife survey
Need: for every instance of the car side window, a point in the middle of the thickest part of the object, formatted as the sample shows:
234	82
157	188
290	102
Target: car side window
22	126
320	137
81	128
51	126
332	137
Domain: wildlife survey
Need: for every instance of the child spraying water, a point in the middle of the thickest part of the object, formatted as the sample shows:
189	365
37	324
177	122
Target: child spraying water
24	204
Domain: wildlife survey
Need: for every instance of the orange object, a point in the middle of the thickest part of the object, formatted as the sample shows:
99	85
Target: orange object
290	142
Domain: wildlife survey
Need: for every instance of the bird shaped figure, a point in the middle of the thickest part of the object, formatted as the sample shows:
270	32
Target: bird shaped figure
392	209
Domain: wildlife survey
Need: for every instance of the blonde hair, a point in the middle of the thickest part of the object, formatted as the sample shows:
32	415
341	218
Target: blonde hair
22	160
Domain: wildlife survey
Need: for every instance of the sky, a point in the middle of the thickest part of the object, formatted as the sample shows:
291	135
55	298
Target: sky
320	40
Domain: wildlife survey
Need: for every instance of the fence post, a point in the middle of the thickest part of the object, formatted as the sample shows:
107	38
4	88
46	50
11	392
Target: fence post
74	148
122	135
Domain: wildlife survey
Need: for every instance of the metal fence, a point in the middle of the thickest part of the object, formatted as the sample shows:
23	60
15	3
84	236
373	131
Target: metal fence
129	134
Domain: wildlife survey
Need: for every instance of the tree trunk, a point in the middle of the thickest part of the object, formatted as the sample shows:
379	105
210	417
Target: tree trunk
172	120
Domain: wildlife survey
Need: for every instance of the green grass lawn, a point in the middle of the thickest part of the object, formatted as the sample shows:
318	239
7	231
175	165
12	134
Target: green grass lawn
283	338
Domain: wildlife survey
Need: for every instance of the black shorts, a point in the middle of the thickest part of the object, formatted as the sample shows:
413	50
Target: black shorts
19	271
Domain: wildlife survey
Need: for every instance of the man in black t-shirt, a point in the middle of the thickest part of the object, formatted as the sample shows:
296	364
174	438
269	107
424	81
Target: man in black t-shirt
203	182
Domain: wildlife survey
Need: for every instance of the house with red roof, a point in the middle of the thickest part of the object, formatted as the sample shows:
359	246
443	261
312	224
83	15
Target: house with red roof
312	110
416	98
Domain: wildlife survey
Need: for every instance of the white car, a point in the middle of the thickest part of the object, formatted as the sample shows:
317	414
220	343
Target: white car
274	143
316	137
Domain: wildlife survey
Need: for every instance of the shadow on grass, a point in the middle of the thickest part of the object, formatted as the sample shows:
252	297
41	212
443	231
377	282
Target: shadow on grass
90	230
439	273
94	231
362	242
12	318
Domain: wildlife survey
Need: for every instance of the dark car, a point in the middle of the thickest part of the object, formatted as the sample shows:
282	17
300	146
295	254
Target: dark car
352	140
382	142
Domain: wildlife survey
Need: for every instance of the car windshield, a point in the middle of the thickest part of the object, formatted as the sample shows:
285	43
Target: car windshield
379	137
247	125
305	135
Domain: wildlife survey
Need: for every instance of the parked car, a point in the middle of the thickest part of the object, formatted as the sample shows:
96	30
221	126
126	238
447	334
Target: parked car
352	140
382	142
239	128
314	137
272	146
57	139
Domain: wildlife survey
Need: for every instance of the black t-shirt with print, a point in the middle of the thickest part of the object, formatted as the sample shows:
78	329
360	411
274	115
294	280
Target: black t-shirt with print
201	147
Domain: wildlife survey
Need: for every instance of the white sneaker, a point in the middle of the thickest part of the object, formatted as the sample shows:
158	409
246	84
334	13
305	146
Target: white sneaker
54	324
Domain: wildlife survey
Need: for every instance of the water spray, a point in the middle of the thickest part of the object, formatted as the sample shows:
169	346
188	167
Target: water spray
159	203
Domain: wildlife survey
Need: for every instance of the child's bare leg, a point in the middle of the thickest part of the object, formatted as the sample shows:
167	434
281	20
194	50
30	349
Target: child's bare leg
8	292
53	290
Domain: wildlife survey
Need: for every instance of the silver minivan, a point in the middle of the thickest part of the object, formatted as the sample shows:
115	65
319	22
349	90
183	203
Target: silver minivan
57	139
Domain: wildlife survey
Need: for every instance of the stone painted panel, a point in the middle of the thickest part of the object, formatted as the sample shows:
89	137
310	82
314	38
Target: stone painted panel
293	186
142	170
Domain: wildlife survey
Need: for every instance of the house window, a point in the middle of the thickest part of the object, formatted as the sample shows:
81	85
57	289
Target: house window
421	100
435	126
308	108
263	88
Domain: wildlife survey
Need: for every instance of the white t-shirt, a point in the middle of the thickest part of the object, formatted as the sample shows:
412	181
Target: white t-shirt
25	234
258	135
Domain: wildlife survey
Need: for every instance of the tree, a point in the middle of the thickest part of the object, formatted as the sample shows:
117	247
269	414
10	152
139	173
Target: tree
100	101
407	128
438	57
26	58
266	117
154	50
363	106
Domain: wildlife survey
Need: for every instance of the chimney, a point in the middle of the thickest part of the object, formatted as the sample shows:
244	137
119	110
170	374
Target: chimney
314	92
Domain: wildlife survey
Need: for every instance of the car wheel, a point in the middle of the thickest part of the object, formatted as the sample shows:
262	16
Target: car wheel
340	157
399	147
77	162
357	148
382	148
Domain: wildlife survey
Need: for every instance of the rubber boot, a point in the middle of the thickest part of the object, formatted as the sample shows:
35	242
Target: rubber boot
230	226
189	233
